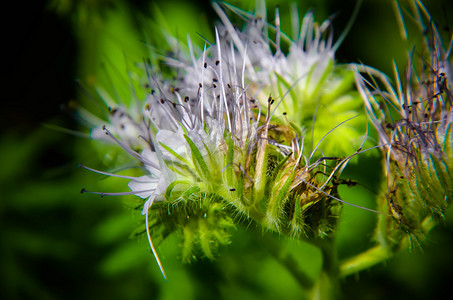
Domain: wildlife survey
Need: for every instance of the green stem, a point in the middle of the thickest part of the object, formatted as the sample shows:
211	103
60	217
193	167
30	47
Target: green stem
364	260
326	287
287	260
379	253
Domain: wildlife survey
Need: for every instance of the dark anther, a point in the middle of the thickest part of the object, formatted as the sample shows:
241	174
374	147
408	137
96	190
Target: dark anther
213	85
217	62
152	92
232	189
82	190
186	99
162	101
214	80
284	113
205	65
229	85
200	85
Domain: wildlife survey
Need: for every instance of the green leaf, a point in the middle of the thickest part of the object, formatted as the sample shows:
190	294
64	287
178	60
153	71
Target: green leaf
172	152
197	157
181	169
171	186
288	87
187	193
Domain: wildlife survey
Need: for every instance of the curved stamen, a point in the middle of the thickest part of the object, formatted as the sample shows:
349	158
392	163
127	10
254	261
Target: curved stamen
130	151
102	194
317	145
112	174
338	199
151	242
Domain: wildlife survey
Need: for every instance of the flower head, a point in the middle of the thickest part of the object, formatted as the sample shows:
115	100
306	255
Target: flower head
414	125
313	93
214	151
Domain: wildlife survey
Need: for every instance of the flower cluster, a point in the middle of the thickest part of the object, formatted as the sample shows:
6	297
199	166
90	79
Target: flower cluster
223	140
413	121
314	92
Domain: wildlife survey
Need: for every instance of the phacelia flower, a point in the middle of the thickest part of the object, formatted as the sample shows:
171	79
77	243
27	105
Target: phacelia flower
312	92
213	150
414	123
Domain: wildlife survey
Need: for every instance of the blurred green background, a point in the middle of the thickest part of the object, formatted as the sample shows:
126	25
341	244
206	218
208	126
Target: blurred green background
58	244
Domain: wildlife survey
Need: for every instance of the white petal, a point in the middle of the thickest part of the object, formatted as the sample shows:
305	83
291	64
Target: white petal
144	186
172	140
148	204
151	161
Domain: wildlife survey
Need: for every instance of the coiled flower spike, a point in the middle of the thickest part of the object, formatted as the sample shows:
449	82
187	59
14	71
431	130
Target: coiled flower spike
415	123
